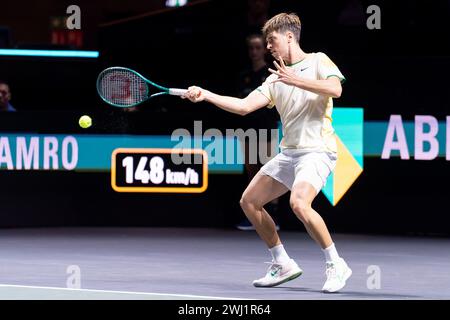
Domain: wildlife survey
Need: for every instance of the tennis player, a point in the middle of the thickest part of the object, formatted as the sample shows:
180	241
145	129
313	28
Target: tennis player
302	88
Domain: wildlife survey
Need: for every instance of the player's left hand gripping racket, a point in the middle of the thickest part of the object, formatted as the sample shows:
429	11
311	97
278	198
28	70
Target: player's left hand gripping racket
123	87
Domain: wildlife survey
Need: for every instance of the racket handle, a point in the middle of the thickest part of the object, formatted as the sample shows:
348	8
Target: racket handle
177	92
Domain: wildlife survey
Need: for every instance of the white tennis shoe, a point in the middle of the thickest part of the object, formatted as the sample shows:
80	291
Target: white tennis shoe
279	273
337	273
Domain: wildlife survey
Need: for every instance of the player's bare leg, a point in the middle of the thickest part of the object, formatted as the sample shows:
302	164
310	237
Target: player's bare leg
261	190
302	196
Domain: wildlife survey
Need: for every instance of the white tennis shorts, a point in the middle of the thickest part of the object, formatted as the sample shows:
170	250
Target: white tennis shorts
292	166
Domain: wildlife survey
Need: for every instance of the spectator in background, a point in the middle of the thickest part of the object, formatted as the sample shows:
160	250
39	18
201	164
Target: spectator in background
5	97
263	118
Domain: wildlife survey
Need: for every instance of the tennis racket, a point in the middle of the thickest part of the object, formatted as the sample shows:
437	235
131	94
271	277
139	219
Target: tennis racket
125	88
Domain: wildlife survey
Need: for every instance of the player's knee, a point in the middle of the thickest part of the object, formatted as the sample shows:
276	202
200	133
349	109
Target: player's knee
246	202
301	208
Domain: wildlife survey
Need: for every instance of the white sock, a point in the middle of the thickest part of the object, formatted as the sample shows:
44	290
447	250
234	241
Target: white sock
331	253
279	255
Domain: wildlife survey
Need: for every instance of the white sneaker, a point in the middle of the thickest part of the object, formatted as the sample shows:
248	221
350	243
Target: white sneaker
279	273
337	274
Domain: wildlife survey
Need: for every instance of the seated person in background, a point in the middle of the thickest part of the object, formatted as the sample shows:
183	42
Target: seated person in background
5	97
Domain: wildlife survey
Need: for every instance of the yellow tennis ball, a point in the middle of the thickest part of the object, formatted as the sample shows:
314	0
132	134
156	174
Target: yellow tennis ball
85	122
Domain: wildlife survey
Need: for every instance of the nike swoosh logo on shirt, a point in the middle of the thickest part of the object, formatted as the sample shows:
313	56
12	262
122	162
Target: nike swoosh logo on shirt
304	69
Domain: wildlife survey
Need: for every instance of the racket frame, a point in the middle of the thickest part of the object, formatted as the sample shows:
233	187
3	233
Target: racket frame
164	90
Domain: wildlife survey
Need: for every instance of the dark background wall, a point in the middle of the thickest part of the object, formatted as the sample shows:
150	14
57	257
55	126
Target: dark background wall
400	69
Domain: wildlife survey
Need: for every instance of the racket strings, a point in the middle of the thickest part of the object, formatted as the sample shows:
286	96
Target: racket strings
122	87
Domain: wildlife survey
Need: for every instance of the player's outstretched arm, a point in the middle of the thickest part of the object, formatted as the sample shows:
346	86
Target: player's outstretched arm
252	102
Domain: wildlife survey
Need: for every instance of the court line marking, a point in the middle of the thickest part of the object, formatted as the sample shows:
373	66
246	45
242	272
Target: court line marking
121	292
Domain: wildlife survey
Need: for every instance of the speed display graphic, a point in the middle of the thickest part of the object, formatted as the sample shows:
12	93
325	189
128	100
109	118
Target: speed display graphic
159	170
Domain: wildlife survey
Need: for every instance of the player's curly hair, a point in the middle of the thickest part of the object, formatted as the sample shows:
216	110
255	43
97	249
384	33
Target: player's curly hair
283	22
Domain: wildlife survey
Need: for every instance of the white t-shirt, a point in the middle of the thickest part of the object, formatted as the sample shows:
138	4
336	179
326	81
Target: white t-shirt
305	116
